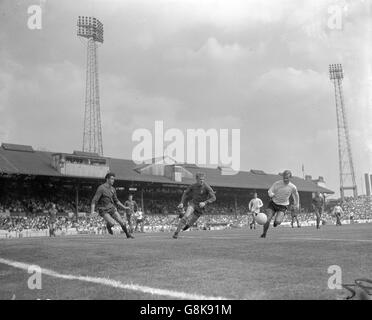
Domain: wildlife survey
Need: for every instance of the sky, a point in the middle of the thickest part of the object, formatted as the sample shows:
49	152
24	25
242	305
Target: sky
255	65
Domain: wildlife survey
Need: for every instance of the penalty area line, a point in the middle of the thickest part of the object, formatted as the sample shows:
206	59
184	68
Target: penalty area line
113	283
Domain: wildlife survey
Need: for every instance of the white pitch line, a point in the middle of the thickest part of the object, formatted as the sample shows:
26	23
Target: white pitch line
292	238
327	239
221	238
113	283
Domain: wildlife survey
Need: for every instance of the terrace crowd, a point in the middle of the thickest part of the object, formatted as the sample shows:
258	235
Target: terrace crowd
361	207
159	214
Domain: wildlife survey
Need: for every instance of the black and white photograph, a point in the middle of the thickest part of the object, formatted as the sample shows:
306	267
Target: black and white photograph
196	152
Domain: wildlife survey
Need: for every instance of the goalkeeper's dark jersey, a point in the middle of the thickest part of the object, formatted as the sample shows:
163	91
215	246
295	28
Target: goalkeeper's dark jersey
197	193
105	197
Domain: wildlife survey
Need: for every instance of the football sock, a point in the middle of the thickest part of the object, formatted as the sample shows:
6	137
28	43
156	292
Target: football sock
125	229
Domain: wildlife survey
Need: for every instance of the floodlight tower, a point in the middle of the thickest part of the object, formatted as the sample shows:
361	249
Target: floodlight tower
91	29
347	174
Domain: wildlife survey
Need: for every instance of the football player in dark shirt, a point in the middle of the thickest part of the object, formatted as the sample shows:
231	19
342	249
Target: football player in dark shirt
107	201
294	214
52	220
318	207
131	209
198	196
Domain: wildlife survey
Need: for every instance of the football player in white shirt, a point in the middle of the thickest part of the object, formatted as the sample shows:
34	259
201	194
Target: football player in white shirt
254	207
337	211
280	193
139	220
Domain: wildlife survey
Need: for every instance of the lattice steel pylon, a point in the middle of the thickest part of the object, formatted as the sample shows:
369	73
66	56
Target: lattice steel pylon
347	173
92	29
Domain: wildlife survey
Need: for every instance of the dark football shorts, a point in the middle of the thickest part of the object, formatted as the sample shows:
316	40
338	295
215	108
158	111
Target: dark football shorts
192	214
198	211
276	207
103	211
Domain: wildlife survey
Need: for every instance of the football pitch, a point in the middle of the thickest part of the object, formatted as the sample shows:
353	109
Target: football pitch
229	264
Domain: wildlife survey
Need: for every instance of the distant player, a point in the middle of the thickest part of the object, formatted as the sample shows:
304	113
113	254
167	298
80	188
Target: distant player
131	208
337	211
280	193
254	207
107	201
198	196
318	207
351	217
294	217
139	220
52	220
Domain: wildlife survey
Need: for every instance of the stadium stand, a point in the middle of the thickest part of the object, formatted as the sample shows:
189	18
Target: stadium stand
31	180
